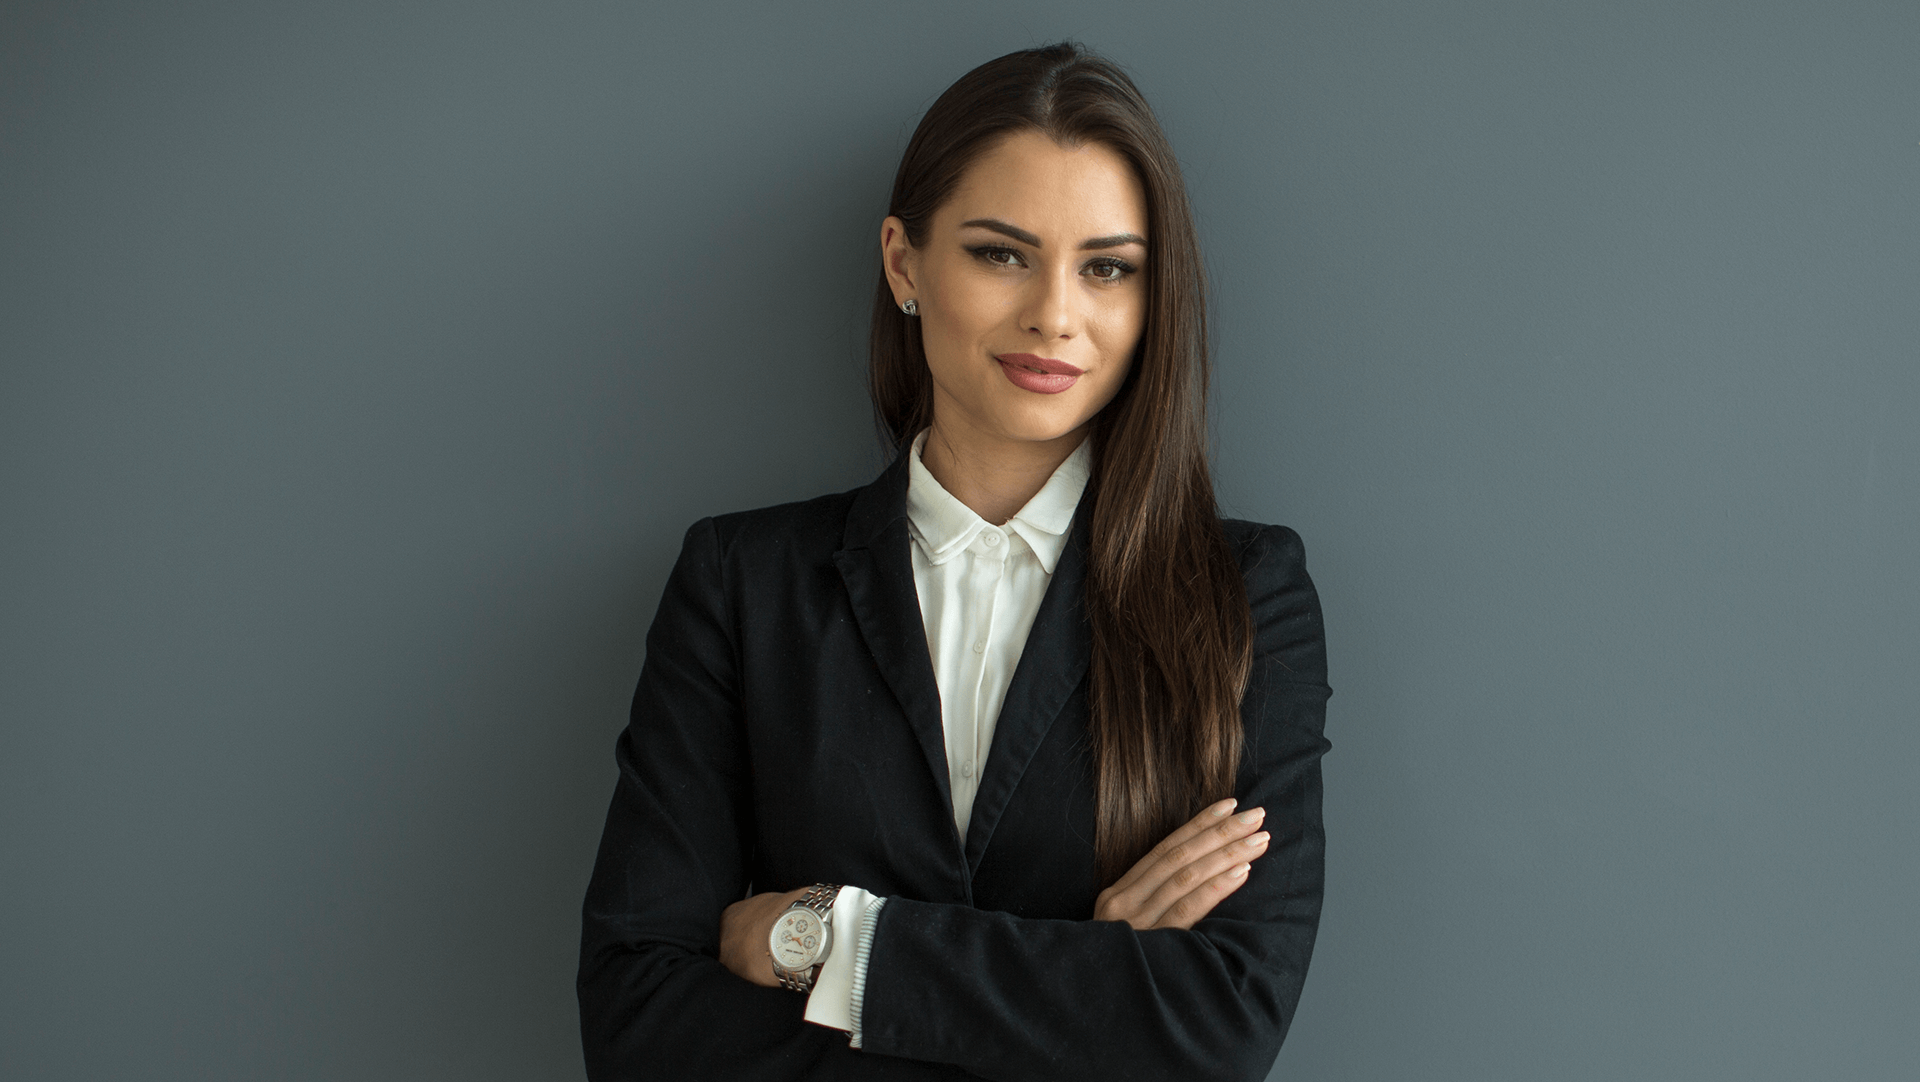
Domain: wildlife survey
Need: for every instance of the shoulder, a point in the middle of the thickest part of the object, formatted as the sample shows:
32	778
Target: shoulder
1273	559
1287	623
736	567
759	554
767	547
1264	549
815	525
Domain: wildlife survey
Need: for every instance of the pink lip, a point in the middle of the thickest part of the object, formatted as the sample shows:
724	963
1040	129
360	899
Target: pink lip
1041	375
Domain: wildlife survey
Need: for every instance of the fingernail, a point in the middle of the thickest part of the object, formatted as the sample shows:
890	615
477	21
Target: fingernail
1239	870
1251	815
1256	840
1224	807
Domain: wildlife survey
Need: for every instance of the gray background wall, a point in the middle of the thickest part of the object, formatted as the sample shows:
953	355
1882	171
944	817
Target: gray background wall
361	366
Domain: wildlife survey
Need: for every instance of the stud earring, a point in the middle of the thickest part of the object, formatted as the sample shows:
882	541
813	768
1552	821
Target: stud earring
912	307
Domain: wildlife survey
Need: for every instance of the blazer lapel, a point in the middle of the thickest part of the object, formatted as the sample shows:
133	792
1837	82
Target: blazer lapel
1052	664
877	566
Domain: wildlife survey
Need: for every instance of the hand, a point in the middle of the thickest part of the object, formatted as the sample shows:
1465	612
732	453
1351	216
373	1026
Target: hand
745	927
1185	876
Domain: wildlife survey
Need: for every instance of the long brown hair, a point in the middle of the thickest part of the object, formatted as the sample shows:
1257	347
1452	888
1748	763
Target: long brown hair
1172	637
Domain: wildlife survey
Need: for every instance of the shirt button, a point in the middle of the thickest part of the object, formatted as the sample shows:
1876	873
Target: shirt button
980	647
966	769
991	537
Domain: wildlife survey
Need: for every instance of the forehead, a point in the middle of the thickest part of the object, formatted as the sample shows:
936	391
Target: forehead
1053	191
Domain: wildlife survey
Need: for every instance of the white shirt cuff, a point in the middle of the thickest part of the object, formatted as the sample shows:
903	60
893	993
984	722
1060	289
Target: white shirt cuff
832	1002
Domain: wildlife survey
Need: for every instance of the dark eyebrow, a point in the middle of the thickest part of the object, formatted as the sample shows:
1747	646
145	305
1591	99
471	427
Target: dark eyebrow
1115	241
1007	229
1004	229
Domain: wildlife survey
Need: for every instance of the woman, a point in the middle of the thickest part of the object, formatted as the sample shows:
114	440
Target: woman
938	778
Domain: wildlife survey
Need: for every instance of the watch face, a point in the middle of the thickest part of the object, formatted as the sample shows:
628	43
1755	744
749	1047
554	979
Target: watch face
797	937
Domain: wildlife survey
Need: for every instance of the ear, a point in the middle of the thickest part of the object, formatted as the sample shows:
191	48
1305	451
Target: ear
900	259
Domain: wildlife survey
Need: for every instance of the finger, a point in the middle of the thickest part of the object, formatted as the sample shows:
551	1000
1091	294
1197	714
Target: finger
1196	905
1176	855
1194	878
1188	911
1210	815
1185	846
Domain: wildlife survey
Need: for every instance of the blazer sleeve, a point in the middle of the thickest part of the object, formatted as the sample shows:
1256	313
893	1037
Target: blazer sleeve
1016	998
655	1002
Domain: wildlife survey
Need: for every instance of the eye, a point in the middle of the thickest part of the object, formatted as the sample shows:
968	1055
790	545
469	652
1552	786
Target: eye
998	255
1109	269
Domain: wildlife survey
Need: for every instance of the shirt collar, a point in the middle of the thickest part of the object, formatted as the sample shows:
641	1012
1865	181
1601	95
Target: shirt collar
944	527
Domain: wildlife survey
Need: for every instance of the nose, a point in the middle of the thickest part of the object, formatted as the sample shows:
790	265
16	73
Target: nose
1051	308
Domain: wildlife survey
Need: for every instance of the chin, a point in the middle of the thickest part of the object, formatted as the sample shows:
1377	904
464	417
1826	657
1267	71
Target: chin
1043	424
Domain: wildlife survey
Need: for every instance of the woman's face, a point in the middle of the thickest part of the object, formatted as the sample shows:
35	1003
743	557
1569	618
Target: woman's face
1031	289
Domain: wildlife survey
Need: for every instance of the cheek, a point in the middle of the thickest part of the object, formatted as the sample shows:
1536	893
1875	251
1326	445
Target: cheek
964	313
1118	333
970	304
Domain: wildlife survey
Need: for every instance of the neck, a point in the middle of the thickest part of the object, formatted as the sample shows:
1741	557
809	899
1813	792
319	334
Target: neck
993	477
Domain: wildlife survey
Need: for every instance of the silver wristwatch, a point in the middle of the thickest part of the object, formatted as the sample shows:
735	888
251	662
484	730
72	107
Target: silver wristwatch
801	938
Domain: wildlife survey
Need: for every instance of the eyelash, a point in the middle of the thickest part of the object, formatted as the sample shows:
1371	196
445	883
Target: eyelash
986	252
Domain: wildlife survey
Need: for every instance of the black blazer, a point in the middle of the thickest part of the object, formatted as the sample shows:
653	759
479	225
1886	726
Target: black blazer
786	731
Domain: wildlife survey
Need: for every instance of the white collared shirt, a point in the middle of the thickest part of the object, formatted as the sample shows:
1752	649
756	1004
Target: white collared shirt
980	587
